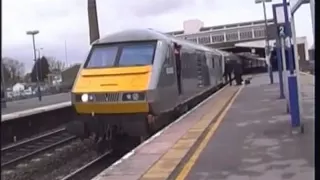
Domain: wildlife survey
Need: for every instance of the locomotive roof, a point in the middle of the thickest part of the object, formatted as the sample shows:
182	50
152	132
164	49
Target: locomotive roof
148	35
131	35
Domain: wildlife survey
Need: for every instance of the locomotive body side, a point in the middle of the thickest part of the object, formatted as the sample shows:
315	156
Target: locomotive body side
200	71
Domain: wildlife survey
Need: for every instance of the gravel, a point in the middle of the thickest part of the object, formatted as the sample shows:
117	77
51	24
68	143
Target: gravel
58	163
48	163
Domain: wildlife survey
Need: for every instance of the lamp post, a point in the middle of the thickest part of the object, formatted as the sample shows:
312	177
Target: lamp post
39	52
278	15
33	33
267	47
66	52
39	56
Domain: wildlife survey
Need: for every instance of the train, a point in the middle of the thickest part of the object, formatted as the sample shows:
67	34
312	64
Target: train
135	81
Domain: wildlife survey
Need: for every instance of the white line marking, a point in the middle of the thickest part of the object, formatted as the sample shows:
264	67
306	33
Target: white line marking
29	112
307	74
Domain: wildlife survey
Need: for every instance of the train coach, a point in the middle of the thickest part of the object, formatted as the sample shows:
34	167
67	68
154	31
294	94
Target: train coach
133	81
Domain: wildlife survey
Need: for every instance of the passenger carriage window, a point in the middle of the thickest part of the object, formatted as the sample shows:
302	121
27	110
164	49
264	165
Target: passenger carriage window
204	57
136	55
220	62
102	57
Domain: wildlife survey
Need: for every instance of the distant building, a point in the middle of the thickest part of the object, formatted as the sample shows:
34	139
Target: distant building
54	78
18	87
192	26
311	53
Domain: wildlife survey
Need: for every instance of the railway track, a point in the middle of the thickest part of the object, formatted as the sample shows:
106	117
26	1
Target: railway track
89	169
18	152
88	163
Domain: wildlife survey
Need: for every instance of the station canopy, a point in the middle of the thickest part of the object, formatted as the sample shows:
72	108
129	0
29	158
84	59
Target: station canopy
262	43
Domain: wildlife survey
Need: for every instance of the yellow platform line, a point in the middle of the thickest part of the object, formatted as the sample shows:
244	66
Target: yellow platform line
170	163
190	163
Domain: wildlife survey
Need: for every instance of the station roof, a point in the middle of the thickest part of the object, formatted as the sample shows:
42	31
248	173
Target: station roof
251	56
262	43
223	27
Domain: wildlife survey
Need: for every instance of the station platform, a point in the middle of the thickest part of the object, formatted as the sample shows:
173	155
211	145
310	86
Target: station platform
31	105
239	133
25	104
255	141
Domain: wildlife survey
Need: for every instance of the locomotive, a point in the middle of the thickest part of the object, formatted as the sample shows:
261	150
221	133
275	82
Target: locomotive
134	81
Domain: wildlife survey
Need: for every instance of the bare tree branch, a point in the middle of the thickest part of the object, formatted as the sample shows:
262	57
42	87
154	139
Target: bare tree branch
14	68
55	65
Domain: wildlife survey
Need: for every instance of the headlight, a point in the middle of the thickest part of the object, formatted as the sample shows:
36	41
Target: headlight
133	96
84	97
128	96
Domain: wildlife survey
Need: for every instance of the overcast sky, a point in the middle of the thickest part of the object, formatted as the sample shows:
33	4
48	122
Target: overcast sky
66	20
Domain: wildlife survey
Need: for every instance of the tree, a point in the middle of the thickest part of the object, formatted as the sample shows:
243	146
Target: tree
6	74
42	67
13	70
55	65
27	77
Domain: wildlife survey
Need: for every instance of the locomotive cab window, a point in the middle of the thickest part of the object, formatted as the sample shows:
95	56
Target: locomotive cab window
102	57
136	55
123	55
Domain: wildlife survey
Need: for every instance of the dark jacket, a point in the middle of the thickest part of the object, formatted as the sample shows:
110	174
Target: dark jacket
237	68
228	68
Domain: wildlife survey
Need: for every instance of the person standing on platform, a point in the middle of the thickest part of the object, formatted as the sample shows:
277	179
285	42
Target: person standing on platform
227	72
237	72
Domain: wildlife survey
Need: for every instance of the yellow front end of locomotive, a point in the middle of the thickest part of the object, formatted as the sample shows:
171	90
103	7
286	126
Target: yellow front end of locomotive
112	90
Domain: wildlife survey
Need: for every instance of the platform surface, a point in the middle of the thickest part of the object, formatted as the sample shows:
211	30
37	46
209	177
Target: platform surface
307	78
26	104
255	141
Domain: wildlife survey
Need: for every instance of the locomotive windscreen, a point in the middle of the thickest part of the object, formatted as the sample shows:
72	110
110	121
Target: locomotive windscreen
126	54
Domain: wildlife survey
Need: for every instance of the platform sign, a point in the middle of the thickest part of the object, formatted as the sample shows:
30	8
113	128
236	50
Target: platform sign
281	31
288	44
279	15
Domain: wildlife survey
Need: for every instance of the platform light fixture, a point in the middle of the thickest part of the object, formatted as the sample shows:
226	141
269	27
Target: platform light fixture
39	50
33	33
